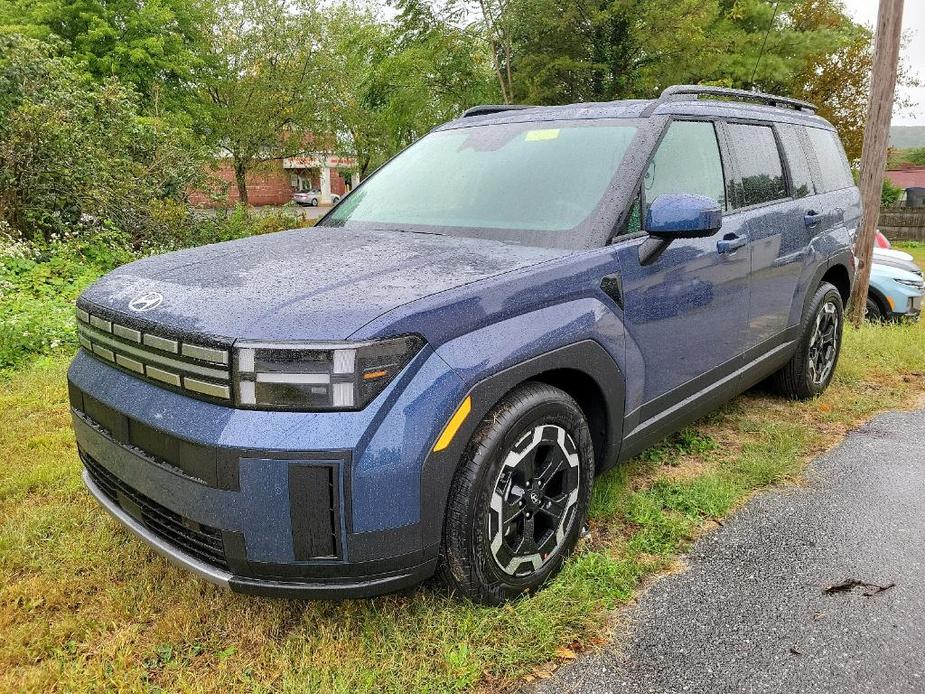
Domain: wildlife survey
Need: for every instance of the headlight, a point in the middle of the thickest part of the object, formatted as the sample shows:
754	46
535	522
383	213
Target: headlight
318	376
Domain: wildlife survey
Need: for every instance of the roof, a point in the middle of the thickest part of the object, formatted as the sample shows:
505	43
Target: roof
680	100
908	178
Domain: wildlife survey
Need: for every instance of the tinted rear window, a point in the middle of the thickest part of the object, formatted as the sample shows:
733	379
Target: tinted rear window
760	172
834	173
794	143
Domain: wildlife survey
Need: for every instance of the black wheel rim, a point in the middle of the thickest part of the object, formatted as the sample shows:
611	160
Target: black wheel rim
534	499
823	347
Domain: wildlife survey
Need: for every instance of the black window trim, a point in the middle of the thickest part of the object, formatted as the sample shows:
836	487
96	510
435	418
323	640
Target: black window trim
730	168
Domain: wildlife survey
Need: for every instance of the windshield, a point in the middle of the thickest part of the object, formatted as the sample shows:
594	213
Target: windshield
496	181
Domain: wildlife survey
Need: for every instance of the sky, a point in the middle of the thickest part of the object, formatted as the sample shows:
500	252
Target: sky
865	11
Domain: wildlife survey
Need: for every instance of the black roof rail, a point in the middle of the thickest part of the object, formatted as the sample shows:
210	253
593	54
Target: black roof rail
486	109
680	90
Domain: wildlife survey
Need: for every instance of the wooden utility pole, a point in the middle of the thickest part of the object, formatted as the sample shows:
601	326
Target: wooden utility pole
876	138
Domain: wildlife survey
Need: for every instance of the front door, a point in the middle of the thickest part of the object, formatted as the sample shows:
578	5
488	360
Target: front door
686	313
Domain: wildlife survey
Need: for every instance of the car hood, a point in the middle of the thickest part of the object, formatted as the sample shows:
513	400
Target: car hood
304	284
886	272
892	254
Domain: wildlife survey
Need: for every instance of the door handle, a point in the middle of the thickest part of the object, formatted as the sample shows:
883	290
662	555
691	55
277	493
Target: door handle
812	218
730	243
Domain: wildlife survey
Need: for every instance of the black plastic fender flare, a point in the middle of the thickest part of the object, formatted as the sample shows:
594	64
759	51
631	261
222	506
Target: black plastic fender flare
586	356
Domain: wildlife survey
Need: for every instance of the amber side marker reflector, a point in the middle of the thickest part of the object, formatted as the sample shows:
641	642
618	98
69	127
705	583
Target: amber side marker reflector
449	431
373	375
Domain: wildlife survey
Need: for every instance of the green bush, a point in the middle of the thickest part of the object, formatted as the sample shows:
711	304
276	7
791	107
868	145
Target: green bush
39	281
890	193
77	155
38	286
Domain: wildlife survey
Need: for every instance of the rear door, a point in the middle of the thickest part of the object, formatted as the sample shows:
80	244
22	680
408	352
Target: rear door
773	220
685	313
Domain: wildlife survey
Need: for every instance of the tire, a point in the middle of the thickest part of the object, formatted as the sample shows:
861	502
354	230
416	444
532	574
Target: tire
314	202
535	423
873	311
810	370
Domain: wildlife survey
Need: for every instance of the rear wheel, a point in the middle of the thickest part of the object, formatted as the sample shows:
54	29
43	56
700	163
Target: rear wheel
811	368
520	496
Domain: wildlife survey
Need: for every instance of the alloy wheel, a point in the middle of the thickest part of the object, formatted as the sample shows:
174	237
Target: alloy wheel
533	500
823	347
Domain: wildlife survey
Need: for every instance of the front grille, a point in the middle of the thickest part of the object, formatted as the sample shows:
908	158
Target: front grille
198	540
201	371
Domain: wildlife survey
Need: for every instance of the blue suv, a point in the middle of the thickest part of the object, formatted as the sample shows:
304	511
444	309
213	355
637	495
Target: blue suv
429	379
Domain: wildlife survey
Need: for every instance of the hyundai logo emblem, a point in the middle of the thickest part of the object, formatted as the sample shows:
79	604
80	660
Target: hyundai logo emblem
146	301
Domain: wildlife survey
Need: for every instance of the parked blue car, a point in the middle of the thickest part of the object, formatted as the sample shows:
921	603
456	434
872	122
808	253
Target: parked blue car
894	293
429	380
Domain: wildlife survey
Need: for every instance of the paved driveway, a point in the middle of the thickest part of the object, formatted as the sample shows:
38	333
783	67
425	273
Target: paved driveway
752	613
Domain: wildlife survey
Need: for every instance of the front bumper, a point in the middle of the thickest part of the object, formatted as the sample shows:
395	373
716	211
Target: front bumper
341	588
906	302
278	504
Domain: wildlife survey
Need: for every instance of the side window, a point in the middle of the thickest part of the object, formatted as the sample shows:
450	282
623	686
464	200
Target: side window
687	161
797	159
833	165
760	174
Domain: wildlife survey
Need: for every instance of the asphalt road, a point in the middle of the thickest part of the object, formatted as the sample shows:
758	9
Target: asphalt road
751	614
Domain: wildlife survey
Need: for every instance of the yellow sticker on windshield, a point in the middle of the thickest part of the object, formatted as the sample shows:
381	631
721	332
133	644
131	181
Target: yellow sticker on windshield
536	135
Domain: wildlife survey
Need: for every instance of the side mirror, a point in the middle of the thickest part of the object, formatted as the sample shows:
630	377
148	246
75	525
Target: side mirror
683	216
678	216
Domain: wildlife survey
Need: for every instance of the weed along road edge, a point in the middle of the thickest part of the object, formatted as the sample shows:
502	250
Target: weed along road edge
813	588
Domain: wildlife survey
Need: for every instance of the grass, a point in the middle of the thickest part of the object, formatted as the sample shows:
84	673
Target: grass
85	607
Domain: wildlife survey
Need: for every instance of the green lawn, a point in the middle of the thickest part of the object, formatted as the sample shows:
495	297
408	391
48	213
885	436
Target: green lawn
83	605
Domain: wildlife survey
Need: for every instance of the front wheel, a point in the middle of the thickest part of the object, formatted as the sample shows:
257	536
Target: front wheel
520	496
811	368
872	311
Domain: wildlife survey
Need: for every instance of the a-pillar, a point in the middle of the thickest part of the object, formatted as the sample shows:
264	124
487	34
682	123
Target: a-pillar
325	185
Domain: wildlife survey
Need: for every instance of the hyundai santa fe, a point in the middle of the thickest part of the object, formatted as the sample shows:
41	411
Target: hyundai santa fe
428	381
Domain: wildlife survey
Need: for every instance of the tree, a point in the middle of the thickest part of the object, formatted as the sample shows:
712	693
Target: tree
258	86
836	75
153	47
599	50
389	84
916	156
75	154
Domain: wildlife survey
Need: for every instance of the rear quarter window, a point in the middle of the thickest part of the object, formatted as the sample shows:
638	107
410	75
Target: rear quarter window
760	173
834	172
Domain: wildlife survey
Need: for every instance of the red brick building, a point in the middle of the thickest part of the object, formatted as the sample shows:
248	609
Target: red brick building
274	182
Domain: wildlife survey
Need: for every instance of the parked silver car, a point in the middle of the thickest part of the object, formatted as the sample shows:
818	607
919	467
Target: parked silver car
895	258
310	198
